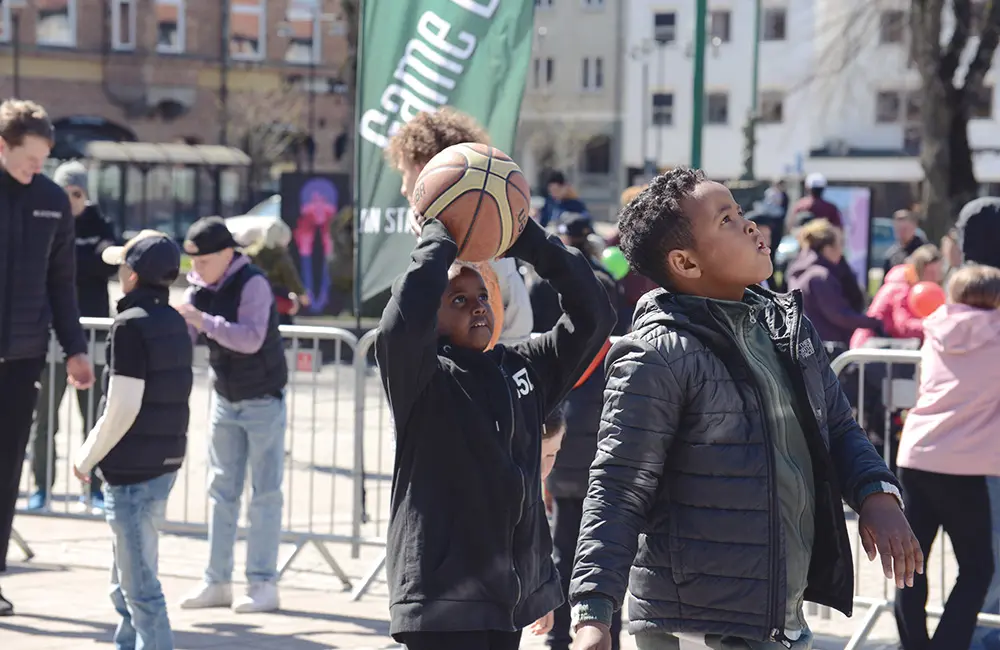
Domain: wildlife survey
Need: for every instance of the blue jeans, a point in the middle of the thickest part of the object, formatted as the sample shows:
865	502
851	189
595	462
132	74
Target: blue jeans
135	513
247	432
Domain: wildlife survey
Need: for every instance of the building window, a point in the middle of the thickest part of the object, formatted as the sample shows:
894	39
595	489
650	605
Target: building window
303	31
665	28
4	22
598	72
543	3
123	25
593	73
586	73
537	77
56	23
892	26
774	24
771	107
717	108
247	30
593	4
550	71
663	109
170	26
718	25
888	106
913	111
981	105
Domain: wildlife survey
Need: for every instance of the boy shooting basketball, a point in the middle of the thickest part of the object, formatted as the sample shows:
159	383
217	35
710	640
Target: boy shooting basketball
469	553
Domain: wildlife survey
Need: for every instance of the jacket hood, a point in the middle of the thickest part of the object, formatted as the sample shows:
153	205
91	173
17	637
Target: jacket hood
239	261
960	329
979	231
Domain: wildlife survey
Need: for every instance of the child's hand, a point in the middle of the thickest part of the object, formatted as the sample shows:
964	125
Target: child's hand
192	315
543	625
884	528
592	636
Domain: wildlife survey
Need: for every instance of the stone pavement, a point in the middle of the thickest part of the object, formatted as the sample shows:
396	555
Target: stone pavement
61	599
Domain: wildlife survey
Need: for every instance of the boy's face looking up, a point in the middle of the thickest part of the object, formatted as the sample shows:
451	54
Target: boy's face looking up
729	253
465	316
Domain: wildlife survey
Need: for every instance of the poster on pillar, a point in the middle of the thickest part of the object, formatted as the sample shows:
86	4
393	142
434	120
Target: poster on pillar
421	55
854	204
317	208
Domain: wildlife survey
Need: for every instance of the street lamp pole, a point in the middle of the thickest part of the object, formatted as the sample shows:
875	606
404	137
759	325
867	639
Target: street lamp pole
698	85
15	26
750	130
317	21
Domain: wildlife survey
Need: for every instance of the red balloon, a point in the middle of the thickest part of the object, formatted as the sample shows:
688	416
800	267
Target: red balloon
925	298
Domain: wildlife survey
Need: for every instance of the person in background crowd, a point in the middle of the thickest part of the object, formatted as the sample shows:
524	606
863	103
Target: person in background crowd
814	273
37	288
904	225
726	449
140	440
231	304
891	305
270	254
977	232
950	445
409	150
634	286
94	234
951	254
814	204
776	199
561	197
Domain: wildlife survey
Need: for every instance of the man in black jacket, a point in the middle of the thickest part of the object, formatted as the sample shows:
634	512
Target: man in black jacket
726	447
94	234
37	287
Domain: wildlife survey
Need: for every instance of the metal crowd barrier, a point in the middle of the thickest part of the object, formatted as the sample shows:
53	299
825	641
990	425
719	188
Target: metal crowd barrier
324	445
896	394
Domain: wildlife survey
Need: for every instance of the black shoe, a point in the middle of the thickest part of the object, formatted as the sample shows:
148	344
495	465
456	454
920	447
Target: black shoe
6	607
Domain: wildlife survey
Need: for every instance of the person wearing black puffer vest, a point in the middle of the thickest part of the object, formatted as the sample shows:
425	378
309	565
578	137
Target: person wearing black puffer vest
231	303
140	440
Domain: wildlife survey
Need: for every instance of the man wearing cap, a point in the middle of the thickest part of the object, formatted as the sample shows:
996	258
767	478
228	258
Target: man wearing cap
814	204
93	235
230	302
140	440
37	289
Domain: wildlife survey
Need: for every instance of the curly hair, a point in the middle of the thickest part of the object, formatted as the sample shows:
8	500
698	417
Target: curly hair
653	223
428	134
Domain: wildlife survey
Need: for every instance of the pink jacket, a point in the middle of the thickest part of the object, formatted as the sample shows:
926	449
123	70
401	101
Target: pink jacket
891	306
955	426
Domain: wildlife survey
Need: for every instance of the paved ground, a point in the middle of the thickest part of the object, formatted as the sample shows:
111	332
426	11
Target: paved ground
61	594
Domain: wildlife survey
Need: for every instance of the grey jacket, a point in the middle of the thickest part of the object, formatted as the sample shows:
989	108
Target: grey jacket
682	503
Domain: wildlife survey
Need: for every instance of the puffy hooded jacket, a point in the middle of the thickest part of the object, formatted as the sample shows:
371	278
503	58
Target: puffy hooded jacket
891	305
955	426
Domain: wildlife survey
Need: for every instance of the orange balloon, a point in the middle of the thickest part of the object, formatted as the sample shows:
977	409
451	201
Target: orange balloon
925	298
910	272
496	299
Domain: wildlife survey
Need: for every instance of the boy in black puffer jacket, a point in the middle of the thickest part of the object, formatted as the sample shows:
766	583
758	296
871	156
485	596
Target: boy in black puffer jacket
468	552
726	446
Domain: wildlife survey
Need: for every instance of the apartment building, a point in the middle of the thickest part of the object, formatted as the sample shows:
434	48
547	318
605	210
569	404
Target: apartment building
836	90
571	113
153	70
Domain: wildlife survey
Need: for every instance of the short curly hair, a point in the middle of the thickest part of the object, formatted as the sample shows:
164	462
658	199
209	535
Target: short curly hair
653	223
428	134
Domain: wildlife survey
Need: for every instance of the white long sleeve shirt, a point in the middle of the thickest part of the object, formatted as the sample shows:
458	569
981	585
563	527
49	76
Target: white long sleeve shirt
122	405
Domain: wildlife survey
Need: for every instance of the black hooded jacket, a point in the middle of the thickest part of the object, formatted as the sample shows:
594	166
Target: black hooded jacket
94	233
468	543
979	231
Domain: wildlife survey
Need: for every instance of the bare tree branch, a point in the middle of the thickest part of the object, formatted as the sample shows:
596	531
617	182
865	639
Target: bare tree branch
983	59
951	56
266	124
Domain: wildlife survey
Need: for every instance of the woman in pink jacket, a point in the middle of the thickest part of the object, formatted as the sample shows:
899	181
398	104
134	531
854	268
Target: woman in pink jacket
950	444
891	303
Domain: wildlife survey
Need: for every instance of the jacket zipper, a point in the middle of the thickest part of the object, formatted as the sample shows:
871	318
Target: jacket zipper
520	503
776	634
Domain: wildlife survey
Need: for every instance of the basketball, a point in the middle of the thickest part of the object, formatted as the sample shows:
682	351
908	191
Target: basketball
479	194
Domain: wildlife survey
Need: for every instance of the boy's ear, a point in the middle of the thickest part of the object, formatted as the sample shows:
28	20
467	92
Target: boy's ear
683	264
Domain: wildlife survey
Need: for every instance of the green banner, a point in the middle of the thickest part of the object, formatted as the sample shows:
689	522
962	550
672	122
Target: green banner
420	55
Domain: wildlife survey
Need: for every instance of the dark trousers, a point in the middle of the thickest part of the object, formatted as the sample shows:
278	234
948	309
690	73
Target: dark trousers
43	455
486	640
565	533
960	505
18	391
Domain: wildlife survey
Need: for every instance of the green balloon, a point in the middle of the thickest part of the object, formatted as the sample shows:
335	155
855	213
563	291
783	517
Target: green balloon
615	262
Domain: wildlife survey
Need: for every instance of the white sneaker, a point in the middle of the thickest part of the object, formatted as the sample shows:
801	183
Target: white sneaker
260	597
209	595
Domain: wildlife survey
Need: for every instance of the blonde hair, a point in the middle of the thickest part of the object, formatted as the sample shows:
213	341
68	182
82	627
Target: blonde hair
818	234
630	193
924	256
975	285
